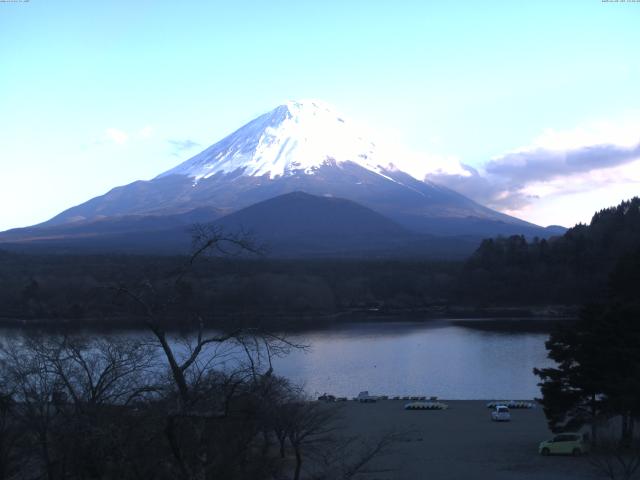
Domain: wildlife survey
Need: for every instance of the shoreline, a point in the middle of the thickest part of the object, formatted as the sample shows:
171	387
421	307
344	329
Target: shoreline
537	318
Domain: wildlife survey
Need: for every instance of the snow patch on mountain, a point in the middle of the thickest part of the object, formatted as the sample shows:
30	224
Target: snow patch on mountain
299	136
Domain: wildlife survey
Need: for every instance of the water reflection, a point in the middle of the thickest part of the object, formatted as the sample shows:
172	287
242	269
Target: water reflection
439	359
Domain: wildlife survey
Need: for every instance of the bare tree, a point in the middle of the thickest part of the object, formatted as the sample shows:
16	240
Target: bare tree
158	302
41	398
10	433
70	395
221	378
97	371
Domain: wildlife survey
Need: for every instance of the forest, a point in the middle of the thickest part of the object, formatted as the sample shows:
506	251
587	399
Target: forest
504	272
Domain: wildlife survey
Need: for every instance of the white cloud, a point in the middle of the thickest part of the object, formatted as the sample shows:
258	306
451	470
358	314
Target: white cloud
391	144
121	137
118	136
146	132
624	132
424	164
180	146
598	158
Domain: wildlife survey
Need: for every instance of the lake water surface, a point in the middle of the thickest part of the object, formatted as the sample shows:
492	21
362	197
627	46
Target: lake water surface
436	358
433	358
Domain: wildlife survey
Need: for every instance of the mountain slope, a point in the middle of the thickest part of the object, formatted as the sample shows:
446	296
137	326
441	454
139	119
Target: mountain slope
300	213
301	225
426	208
101	229
291	225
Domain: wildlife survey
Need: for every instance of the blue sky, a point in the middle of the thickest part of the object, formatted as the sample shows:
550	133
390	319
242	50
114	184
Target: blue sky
532	108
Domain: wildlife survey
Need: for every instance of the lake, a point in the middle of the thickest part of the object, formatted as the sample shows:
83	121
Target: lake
433	358
436	358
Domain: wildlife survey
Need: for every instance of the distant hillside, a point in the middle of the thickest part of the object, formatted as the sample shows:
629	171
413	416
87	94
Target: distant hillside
298	224
115	225
299	213
570	268
293	225
156	234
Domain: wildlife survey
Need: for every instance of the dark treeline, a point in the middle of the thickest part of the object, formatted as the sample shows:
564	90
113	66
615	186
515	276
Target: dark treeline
571	269
503	272
83	287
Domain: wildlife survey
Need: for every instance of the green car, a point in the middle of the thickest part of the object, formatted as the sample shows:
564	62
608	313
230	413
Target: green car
565	443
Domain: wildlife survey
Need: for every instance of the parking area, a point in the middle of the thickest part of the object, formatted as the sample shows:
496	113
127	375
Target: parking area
461	442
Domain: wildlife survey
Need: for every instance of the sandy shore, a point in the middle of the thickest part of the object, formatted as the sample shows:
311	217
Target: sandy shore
461	443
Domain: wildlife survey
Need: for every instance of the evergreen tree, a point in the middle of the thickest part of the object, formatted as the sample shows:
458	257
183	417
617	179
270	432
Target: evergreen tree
598	360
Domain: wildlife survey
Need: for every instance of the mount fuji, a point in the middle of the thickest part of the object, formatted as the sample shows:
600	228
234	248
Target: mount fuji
302	146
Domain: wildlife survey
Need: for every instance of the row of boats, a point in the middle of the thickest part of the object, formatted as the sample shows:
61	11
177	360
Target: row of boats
421	402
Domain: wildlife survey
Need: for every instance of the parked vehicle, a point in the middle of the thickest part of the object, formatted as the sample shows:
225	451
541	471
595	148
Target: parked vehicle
364	397
325	397
565	444
501	414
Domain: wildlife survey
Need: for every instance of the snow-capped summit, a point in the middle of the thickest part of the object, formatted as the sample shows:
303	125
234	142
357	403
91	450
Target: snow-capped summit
299	136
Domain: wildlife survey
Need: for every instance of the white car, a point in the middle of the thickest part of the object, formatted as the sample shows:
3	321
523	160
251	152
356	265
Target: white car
364	397
501	414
